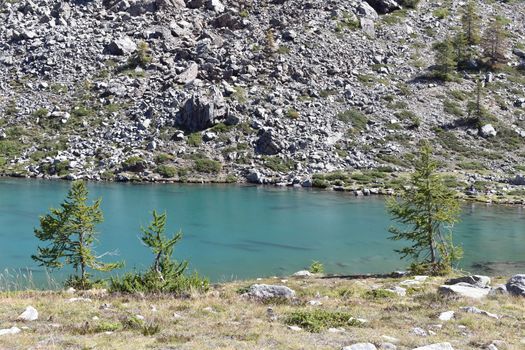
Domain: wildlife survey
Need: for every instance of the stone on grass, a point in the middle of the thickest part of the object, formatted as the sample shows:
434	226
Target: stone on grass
267	291
420	332
361	346
295	328
446	316
30	314
464	290
438	346
10	331
475	280
516	285
475	310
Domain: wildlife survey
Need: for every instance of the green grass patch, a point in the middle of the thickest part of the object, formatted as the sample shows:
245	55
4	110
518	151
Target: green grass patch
319	320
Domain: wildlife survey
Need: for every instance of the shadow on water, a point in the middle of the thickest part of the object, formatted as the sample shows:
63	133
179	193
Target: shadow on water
276	245
238	246
494	268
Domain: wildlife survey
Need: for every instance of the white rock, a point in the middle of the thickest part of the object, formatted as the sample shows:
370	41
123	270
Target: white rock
361	346
295	328
439	346
10	331
30	314
446	316
488	131
387	346
420	332
398	290
302	273
336	330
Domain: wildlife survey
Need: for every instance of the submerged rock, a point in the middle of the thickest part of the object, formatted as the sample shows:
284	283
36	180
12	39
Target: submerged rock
268	291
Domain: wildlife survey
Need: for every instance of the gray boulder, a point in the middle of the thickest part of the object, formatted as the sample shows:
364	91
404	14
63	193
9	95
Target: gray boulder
384	6
516	285
267	143
519	180
464	290
201	111
366	11
189	75
487	131
268	291
120	47
475	280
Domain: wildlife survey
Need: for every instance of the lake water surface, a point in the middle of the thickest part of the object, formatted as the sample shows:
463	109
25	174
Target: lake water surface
247	231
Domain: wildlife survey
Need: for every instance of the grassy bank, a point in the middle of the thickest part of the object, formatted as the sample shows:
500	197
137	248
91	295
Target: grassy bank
224	319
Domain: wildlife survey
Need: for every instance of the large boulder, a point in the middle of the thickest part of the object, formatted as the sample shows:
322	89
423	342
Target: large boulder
519	180
120	47
364	10
516	285
464	290
201	111
475	280
384	6
487	131
267	143
268	291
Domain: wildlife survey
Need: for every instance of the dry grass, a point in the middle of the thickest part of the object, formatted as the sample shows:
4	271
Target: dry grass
222	319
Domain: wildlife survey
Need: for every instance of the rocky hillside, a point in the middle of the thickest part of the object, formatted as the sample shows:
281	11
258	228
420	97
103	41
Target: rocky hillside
268	91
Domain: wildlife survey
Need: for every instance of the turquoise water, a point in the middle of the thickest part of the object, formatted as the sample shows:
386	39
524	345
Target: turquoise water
245	231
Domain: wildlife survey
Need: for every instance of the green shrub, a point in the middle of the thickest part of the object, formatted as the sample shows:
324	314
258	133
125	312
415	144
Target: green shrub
209	166
167	171
379	294
134	164
149	282
319	320
354	117
195	139
292	114
40	113
453	108
320	183
278	164
163	158
316	267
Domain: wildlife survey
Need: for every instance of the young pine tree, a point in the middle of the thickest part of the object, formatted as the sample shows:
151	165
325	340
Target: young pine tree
70	231
470	22
426	211
495	42
162	246
445	57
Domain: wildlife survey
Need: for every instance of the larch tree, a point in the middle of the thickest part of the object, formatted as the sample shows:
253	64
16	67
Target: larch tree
470	21
494	42
70	232
426	210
